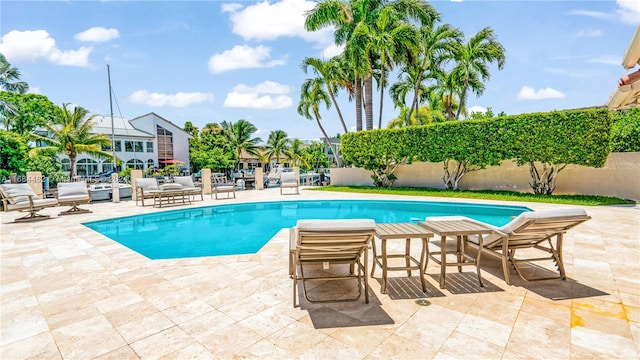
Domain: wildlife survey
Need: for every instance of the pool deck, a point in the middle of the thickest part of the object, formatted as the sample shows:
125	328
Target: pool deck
68	292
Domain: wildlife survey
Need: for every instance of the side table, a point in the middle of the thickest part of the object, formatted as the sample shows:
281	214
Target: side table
405	231
460	229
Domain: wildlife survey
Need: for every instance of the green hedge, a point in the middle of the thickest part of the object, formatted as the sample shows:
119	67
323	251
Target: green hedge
580	137
625	133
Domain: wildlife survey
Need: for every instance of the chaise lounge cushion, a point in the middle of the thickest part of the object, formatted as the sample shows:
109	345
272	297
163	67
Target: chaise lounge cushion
73	192
147	184
18	197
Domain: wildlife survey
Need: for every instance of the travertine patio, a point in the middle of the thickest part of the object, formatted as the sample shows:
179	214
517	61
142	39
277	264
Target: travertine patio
68	292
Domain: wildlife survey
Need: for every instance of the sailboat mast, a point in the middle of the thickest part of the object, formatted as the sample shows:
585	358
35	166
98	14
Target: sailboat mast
113	137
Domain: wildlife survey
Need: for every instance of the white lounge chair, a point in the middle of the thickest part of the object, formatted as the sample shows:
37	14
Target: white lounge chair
328	242
74	194
20	197
220	185
188	186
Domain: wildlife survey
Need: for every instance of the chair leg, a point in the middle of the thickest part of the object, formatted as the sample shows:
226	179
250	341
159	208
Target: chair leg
32	216
74	210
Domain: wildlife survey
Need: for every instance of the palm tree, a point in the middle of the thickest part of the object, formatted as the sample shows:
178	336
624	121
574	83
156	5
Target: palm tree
70	133
312	95
472	63
277	145
333	77
354	22
9	81
296	152
239	136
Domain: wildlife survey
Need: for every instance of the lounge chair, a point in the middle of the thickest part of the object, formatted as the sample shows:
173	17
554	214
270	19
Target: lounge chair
74	194
145	189
533	230
20	197
220	185
288	181
188	186
328	242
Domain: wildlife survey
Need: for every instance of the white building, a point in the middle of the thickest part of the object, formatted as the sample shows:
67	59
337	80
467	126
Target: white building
148	141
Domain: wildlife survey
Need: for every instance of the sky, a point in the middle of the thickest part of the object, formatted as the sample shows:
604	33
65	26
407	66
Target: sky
212	61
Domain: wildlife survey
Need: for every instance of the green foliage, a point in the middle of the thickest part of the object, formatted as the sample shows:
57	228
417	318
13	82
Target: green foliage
579	137
13	154
32	111
625	132
380	151
314	157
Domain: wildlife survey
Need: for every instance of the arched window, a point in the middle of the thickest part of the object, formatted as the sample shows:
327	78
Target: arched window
87	167
107	166
150	164
135	164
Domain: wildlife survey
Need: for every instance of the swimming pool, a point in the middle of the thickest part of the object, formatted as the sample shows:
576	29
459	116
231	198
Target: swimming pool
233	229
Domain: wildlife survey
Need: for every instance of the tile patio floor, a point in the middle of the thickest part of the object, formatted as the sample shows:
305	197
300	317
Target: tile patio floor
70	293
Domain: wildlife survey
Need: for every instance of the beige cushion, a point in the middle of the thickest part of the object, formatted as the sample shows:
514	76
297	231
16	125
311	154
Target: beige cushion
336	225
185	181
18	193
147	184
288	177
72	189
170	187
37	204
544	214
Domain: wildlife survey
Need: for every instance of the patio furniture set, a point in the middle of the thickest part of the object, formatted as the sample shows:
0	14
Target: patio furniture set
331	242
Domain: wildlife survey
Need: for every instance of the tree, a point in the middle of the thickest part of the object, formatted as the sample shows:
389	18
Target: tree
13	155
333	78
277	145
70	133
472	63
239	136
10	82
312	96
31	111
296	154
191	129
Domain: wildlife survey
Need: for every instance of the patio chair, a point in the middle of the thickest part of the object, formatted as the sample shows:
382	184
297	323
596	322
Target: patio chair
220	185
533	230
145	189
74	194
188	186
329	242
288	181
20	197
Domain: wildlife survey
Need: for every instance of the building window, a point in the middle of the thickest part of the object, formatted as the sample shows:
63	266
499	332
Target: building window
151	164
135	164
118	145
66	164
165	143
149	146
86	167
106	147
106	167
132	146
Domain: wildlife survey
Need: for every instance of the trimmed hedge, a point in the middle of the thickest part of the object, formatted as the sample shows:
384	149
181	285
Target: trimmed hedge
579	137
625	133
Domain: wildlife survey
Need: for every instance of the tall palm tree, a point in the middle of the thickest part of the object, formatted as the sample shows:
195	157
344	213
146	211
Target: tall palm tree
312	96
277	145
472	63
333	77
70	133
352	20
240	138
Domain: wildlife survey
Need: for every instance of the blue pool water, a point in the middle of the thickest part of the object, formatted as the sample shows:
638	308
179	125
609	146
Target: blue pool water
245	228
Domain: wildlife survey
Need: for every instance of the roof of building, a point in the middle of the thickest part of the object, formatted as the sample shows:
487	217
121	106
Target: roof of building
163	119
121	127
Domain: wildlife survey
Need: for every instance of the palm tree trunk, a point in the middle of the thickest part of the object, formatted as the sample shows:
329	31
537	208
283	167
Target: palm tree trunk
72	170
381	92
335	103
368	101
328	140
358	96
463	96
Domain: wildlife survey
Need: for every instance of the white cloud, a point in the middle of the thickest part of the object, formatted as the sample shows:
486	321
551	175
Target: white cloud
180	99
529	93
269	21
332	50
590	33
478	109
97	34
629	11
593	14
31	46
457	0
266	95
231	7
606	59
243	57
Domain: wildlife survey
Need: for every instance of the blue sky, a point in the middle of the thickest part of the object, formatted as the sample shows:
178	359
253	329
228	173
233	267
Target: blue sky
211	61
